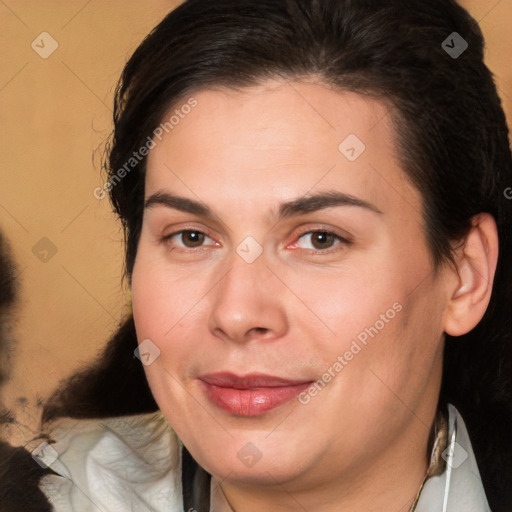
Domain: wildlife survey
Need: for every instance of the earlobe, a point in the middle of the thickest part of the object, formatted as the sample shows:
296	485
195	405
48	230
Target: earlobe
476	262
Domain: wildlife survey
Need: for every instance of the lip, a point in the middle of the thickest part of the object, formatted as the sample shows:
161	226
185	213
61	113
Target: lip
249	381
252	394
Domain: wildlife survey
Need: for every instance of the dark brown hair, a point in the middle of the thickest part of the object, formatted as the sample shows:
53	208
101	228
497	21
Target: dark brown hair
452	138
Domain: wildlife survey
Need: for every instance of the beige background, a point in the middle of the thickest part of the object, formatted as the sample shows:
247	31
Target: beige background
56	113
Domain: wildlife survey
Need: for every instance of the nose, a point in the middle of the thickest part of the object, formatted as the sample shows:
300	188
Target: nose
248	303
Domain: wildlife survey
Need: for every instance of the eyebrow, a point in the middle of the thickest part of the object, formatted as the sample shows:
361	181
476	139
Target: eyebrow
295	207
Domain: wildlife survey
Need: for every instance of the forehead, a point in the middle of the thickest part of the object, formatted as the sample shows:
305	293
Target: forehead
291	137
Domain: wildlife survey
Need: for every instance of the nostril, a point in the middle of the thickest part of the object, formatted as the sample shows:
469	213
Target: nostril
258	330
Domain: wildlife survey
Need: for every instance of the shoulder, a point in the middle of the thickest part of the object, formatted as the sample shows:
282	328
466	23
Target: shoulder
121	463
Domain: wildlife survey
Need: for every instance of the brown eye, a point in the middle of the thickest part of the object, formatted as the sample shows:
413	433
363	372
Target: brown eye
321	240
187	239
192	239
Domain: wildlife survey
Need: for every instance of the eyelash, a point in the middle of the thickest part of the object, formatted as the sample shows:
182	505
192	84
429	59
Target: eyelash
342	240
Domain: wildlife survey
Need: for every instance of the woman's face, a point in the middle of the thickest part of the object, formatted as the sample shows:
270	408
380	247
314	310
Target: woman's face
262	279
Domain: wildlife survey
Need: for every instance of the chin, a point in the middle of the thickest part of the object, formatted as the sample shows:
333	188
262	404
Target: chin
255	462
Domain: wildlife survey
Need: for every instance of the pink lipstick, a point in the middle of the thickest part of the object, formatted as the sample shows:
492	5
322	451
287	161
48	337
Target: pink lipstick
250	395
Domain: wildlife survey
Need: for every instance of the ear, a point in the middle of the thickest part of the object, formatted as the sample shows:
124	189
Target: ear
476	262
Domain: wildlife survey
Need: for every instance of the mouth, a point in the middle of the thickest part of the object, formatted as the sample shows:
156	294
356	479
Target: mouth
252	394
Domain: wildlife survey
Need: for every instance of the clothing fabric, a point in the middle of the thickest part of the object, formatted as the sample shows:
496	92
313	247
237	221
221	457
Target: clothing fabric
459	488
135	463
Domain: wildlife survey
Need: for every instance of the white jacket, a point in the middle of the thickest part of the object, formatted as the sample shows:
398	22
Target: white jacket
133	463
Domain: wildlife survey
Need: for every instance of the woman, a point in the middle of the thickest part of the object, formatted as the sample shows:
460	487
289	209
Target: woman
317	237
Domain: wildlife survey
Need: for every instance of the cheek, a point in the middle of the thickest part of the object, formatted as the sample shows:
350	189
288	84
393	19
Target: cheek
158	304
404	358
383	321
164	299
169	308
351	305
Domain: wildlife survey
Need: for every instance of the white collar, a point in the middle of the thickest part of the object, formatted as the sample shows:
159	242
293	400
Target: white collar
134	463
459	488
114	465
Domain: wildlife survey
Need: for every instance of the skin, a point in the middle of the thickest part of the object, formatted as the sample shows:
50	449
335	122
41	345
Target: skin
361	442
